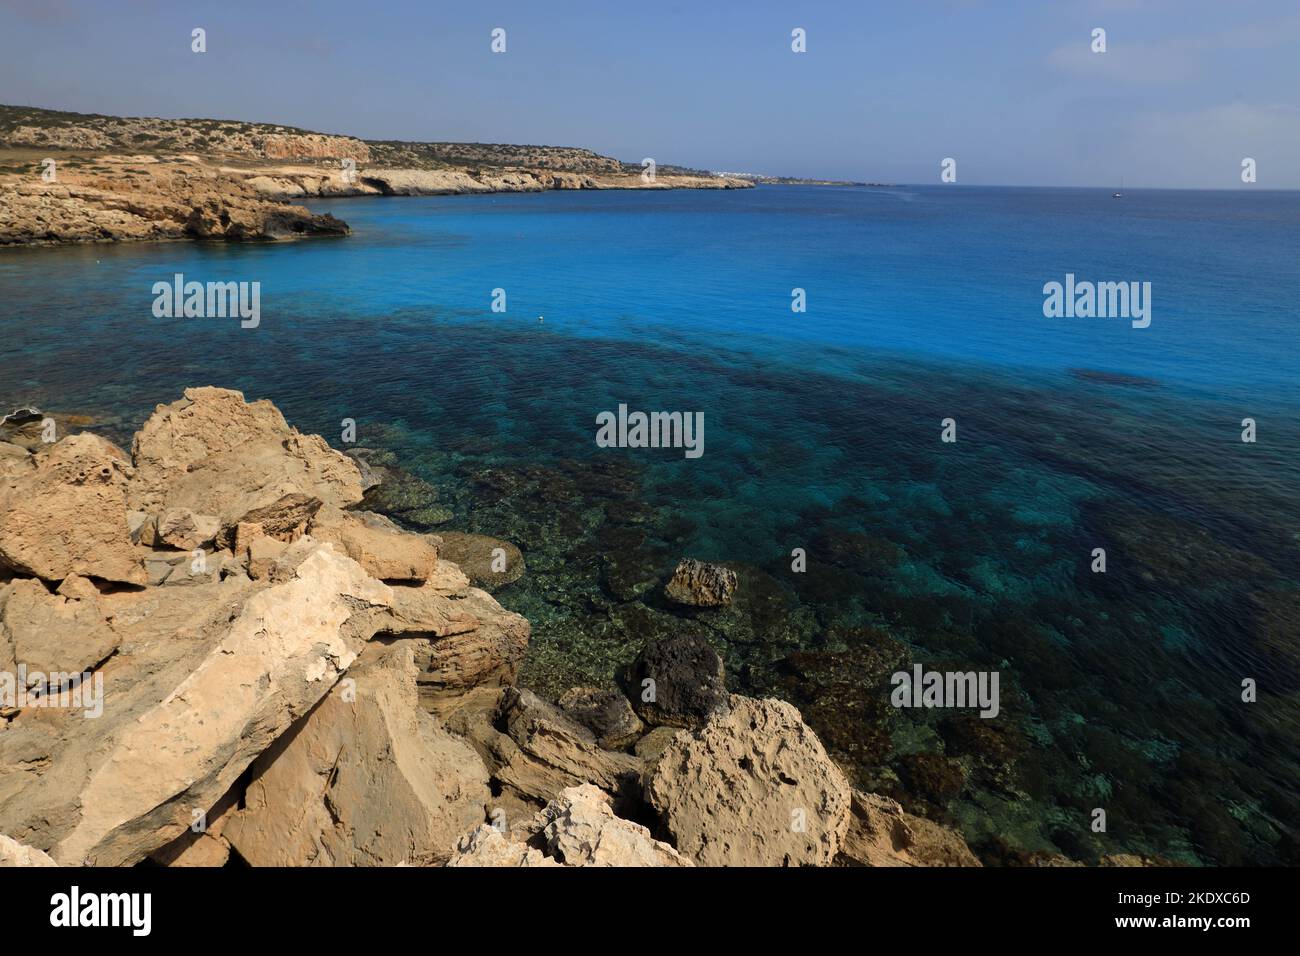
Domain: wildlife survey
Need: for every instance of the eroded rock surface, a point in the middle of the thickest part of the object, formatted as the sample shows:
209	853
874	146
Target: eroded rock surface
752	787
366	779
701	585
677	682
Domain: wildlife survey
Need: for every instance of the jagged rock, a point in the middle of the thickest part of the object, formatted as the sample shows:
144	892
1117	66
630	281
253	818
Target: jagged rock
180	528
486	846
376	545
67	514
651	747
881	833
365	779
533	751
701	585
606	713
54	633
213	453
582	830
203	845
688	683
577	828
197	720
459	656
13	853
474	555
752	787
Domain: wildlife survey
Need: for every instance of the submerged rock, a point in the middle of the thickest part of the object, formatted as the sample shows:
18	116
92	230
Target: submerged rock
489	562
701	585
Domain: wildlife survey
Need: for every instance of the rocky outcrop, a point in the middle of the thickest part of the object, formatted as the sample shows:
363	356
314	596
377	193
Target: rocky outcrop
67	514
366	779
13	853
677	682
197	682
129	178
376	544
752	787
207	656
701	585
215	454
881	833
577	828
163	202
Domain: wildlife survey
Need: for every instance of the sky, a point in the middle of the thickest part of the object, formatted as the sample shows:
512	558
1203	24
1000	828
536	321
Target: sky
1010	89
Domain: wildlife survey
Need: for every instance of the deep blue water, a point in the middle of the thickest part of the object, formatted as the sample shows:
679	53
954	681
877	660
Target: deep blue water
1119	691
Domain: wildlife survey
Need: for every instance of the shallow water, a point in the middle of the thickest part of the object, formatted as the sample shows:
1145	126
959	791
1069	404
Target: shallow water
1119	690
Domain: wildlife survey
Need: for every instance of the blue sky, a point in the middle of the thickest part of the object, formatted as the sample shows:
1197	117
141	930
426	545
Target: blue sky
1012	90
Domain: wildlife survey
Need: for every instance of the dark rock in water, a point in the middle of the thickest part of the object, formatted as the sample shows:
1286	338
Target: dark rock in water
701	585
688	682
606	713
629	569
489	563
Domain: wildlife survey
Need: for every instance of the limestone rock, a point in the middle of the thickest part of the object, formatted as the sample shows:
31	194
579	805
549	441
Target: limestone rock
582	830
182	528
67	514
366	779
752	787
577	828
479	556
881	833
382	550
606	713
486	846
689	683
273	659
541	752
215	454
52	633
700	584
481	644
13	853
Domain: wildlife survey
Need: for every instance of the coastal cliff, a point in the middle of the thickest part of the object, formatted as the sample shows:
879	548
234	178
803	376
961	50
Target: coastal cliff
213	656
69	177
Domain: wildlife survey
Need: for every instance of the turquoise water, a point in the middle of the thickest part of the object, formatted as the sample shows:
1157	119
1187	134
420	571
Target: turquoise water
1119	690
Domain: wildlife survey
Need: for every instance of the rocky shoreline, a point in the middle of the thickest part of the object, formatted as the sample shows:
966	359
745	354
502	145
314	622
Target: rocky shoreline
118	178
287	680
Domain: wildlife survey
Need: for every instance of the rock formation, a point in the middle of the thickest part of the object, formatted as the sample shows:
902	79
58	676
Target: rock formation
752	787
125	178
700	584
209	654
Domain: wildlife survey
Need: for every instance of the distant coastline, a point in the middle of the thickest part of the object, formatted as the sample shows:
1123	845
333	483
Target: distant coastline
74	177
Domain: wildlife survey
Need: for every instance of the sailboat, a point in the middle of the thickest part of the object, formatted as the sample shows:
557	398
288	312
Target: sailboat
1119	195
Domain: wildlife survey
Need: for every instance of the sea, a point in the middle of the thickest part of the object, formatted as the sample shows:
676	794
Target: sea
906	459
